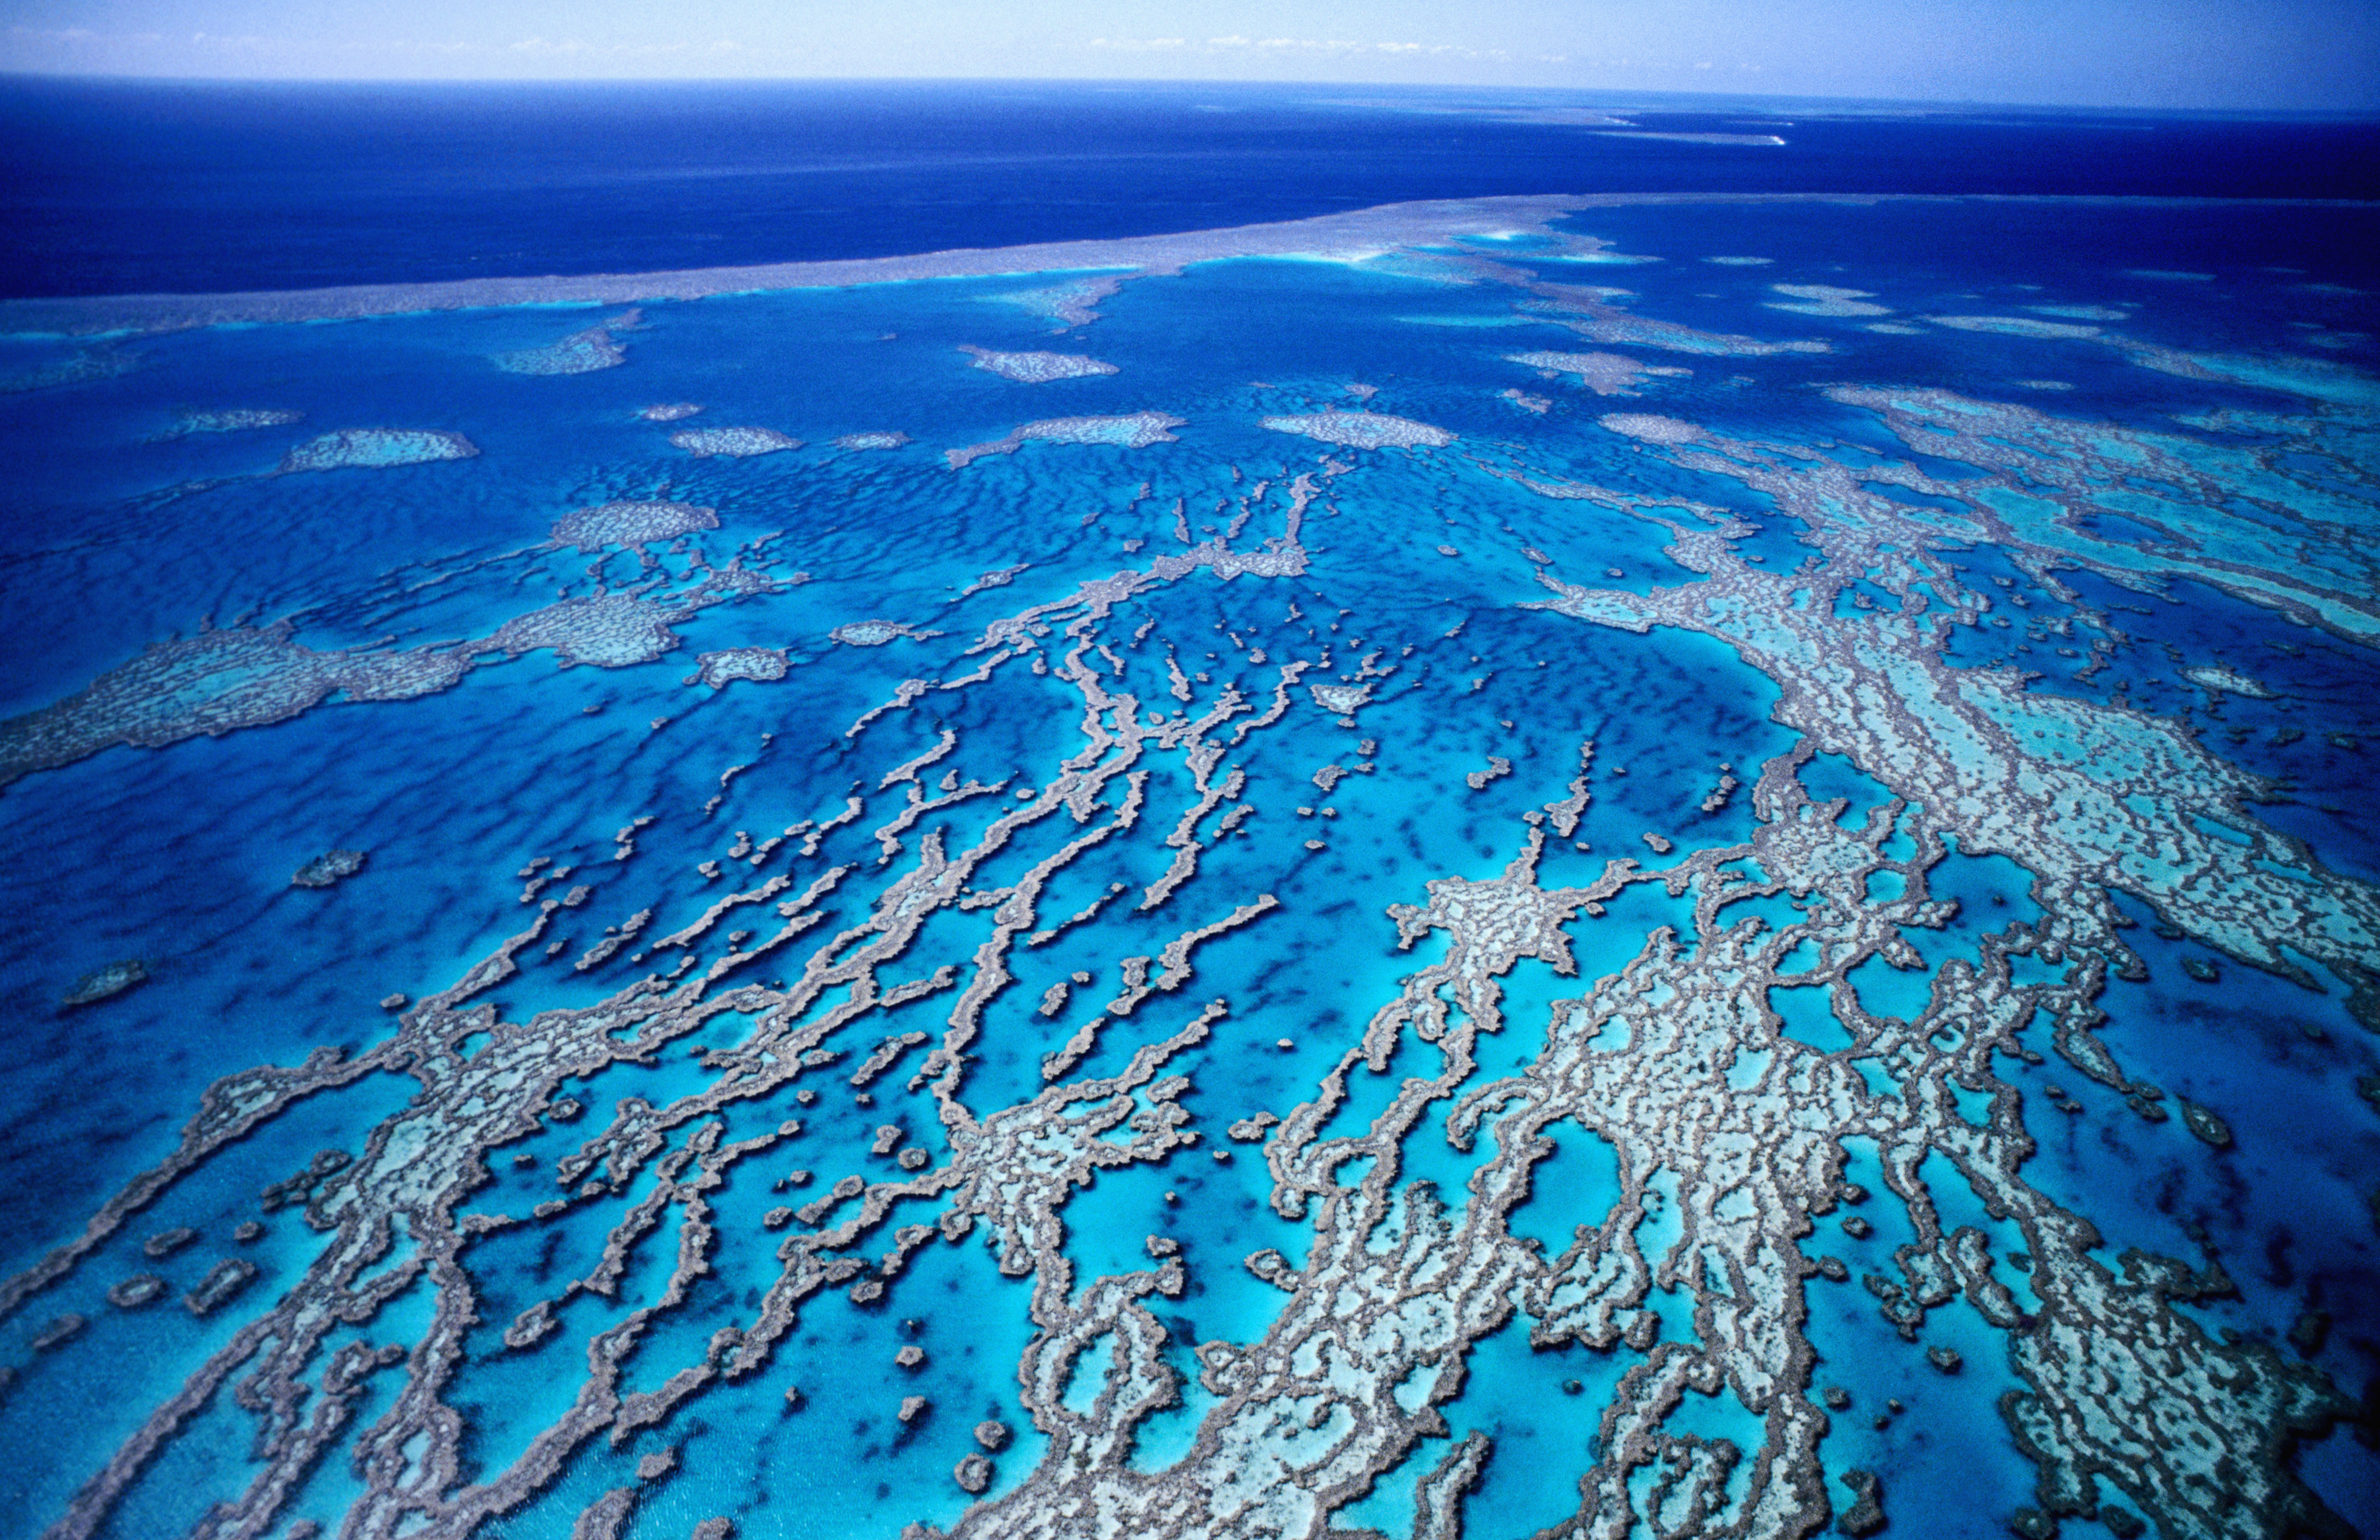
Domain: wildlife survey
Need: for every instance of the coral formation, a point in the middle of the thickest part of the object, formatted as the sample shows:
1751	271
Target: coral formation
991	993
1034	369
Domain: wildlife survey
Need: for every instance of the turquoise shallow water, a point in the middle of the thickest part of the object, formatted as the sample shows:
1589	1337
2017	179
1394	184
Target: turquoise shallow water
1456	708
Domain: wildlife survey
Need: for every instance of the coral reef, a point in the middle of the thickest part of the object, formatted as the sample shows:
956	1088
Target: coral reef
630	524
1034	369
239	419
732	442
1035	964
1136	431
328	869
762	665
1604	373
377	448
1363	430
581	352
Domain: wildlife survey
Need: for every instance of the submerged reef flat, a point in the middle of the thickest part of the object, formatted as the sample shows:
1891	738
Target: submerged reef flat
1069	305
631	523
1033	369
762	665
1138	431
2014	326
106	983
732	442
1363	430
1825	299
377	448
610	631
209	683
875	632
237	419
1800	958
83	367
329	868
221	679
1604	373
581	352
2215	676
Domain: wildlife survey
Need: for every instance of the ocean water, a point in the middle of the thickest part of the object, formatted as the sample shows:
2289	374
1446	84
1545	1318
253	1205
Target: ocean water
1652	864
154	186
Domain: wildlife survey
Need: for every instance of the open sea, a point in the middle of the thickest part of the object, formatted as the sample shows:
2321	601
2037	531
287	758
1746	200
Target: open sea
136	187
1667	829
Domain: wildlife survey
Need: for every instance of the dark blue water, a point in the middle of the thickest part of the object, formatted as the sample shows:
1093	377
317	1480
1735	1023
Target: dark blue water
119	186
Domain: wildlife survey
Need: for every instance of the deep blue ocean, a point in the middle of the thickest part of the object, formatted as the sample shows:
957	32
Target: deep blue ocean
118	187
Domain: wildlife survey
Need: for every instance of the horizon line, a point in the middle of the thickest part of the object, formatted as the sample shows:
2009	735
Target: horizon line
12	76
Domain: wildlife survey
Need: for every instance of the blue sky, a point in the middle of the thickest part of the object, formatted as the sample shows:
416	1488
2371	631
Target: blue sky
2233	54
